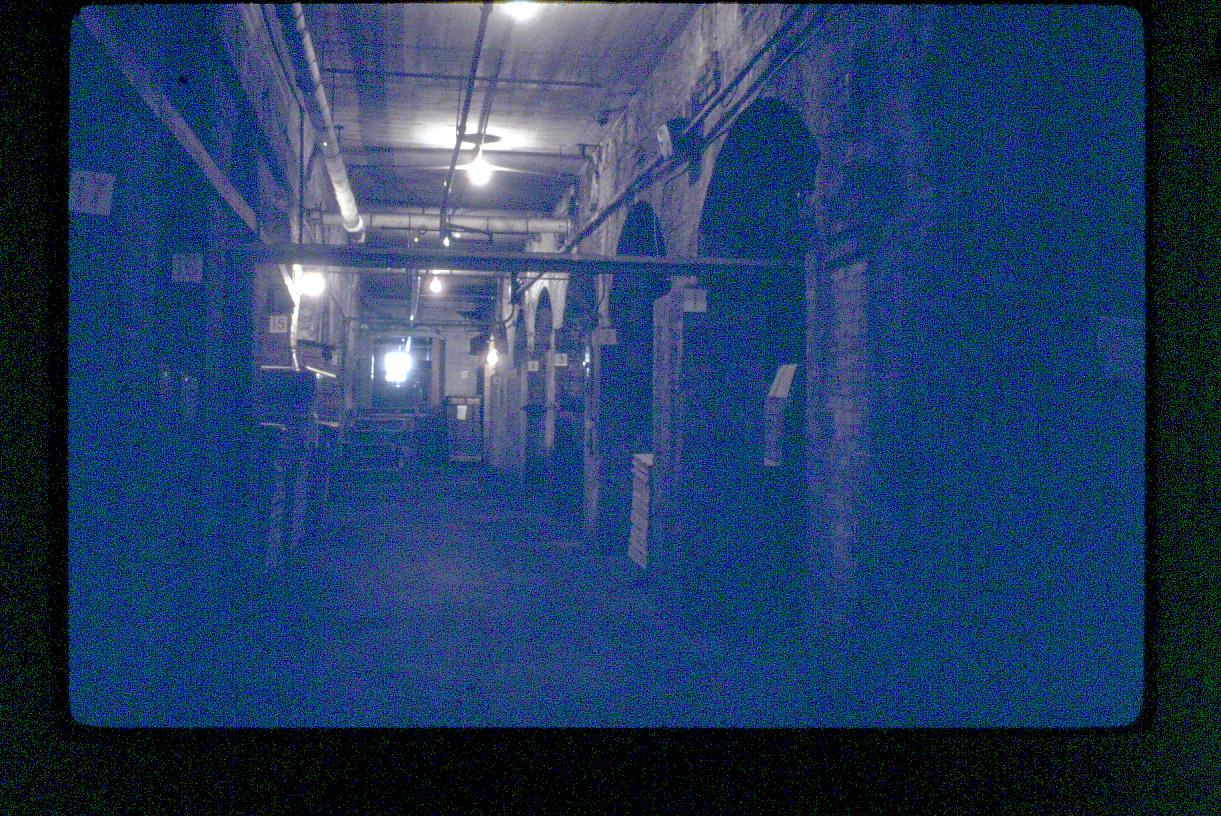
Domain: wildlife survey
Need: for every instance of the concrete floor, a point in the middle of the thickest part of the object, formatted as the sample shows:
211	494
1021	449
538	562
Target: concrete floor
440	603
429	602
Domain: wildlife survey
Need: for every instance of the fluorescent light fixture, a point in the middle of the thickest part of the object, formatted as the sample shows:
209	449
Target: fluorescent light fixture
520	10
312	284
434	285
479	171
397	364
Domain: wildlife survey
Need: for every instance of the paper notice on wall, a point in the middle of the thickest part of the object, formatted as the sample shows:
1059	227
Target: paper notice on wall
187	267
461	413
90	193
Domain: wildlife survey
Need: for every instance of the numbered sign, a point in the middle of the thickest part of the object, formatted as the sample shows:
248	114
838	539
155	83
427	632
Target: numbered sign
278	324
561	359
90	193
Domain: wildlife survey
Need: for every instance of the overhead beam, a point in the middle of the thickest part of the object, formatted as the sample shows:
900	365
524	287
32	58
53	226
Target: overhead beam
515	82
141	80
404	260
431	222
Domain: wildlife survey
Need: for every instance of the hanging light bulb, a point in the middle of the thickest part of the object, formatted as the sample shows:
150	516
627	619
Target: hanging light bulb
479	171
493	357
445	241
434	285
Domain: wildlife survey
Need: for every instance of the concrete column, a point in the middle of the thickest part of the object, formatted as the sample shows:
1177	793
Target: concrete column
434	387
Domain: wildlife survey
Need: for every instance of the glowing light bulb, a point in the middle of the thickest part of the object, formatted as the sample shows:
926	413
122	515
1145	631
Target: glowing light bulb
312	284
434	285
445	241
493	357
479	171
521	10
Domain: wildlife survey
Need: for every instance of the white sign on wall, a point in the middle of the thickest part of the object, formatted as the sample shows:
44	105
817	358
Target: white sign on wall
90	193
561	359
461	412
278	324
532	365
187	267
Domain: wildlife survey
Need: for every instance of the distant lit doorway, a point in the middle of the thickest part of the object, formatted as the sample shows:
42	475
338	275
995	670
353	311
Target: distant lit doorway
402	374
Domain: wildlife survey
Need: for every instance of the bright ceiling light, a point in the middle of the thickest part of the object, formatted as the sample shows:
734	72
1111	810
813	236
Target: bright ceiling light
312	284
479	171
434	285
521	10
445	241
397	364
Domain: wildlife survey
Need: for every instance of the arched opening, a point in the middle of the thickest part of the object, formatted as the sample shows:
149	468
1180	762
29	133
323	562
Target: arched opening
536	464
626	373
745	524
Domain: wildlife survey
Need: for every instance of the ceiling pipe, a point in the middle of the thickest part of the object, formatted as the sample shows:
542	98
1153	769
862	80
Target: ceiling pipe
494	224
352	221
484	13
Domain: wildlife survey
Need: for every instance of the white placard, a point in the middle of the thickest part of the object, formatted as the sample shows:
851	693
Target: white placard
561	359
278	324
464	374
532	365
187	267
461	412
90	193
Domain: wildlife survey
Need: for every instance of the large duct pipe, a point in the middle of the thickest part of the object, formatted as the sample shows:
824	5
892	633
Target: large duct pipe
351	220
495	224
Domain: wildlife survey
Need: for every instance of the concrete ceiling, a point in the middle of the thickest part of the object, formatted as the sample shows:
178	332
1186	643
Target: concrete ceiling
397	74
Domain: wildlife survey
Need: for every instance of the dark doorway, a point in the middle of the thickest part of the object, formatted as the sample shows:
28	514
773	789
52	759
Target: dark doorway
626	394
744	519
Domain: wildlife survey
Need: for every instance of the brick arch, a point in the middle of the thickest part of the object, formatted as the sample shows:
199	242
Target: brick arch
750	514
632	294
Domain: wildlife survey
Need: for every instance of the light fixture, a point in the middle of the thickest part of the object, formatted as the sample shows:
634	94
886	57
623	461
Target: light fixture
479	171
445	241
397	364
312	284
493	357
520	10
434	285
457	234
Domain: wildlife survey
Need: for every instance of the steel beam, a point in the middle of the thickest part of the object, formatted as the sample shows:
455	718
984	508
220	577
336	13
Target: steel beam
362	259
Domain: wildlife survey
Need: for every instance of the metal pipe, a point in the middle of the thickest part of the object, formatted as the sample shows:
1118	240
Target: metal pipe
352	259
495	224
526	83
484	13
352	222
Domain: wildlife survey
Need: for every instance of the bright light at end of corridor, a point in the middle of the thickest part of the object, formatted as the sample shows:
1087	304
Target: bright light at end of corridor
493	357
521	10
312	284
397	364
